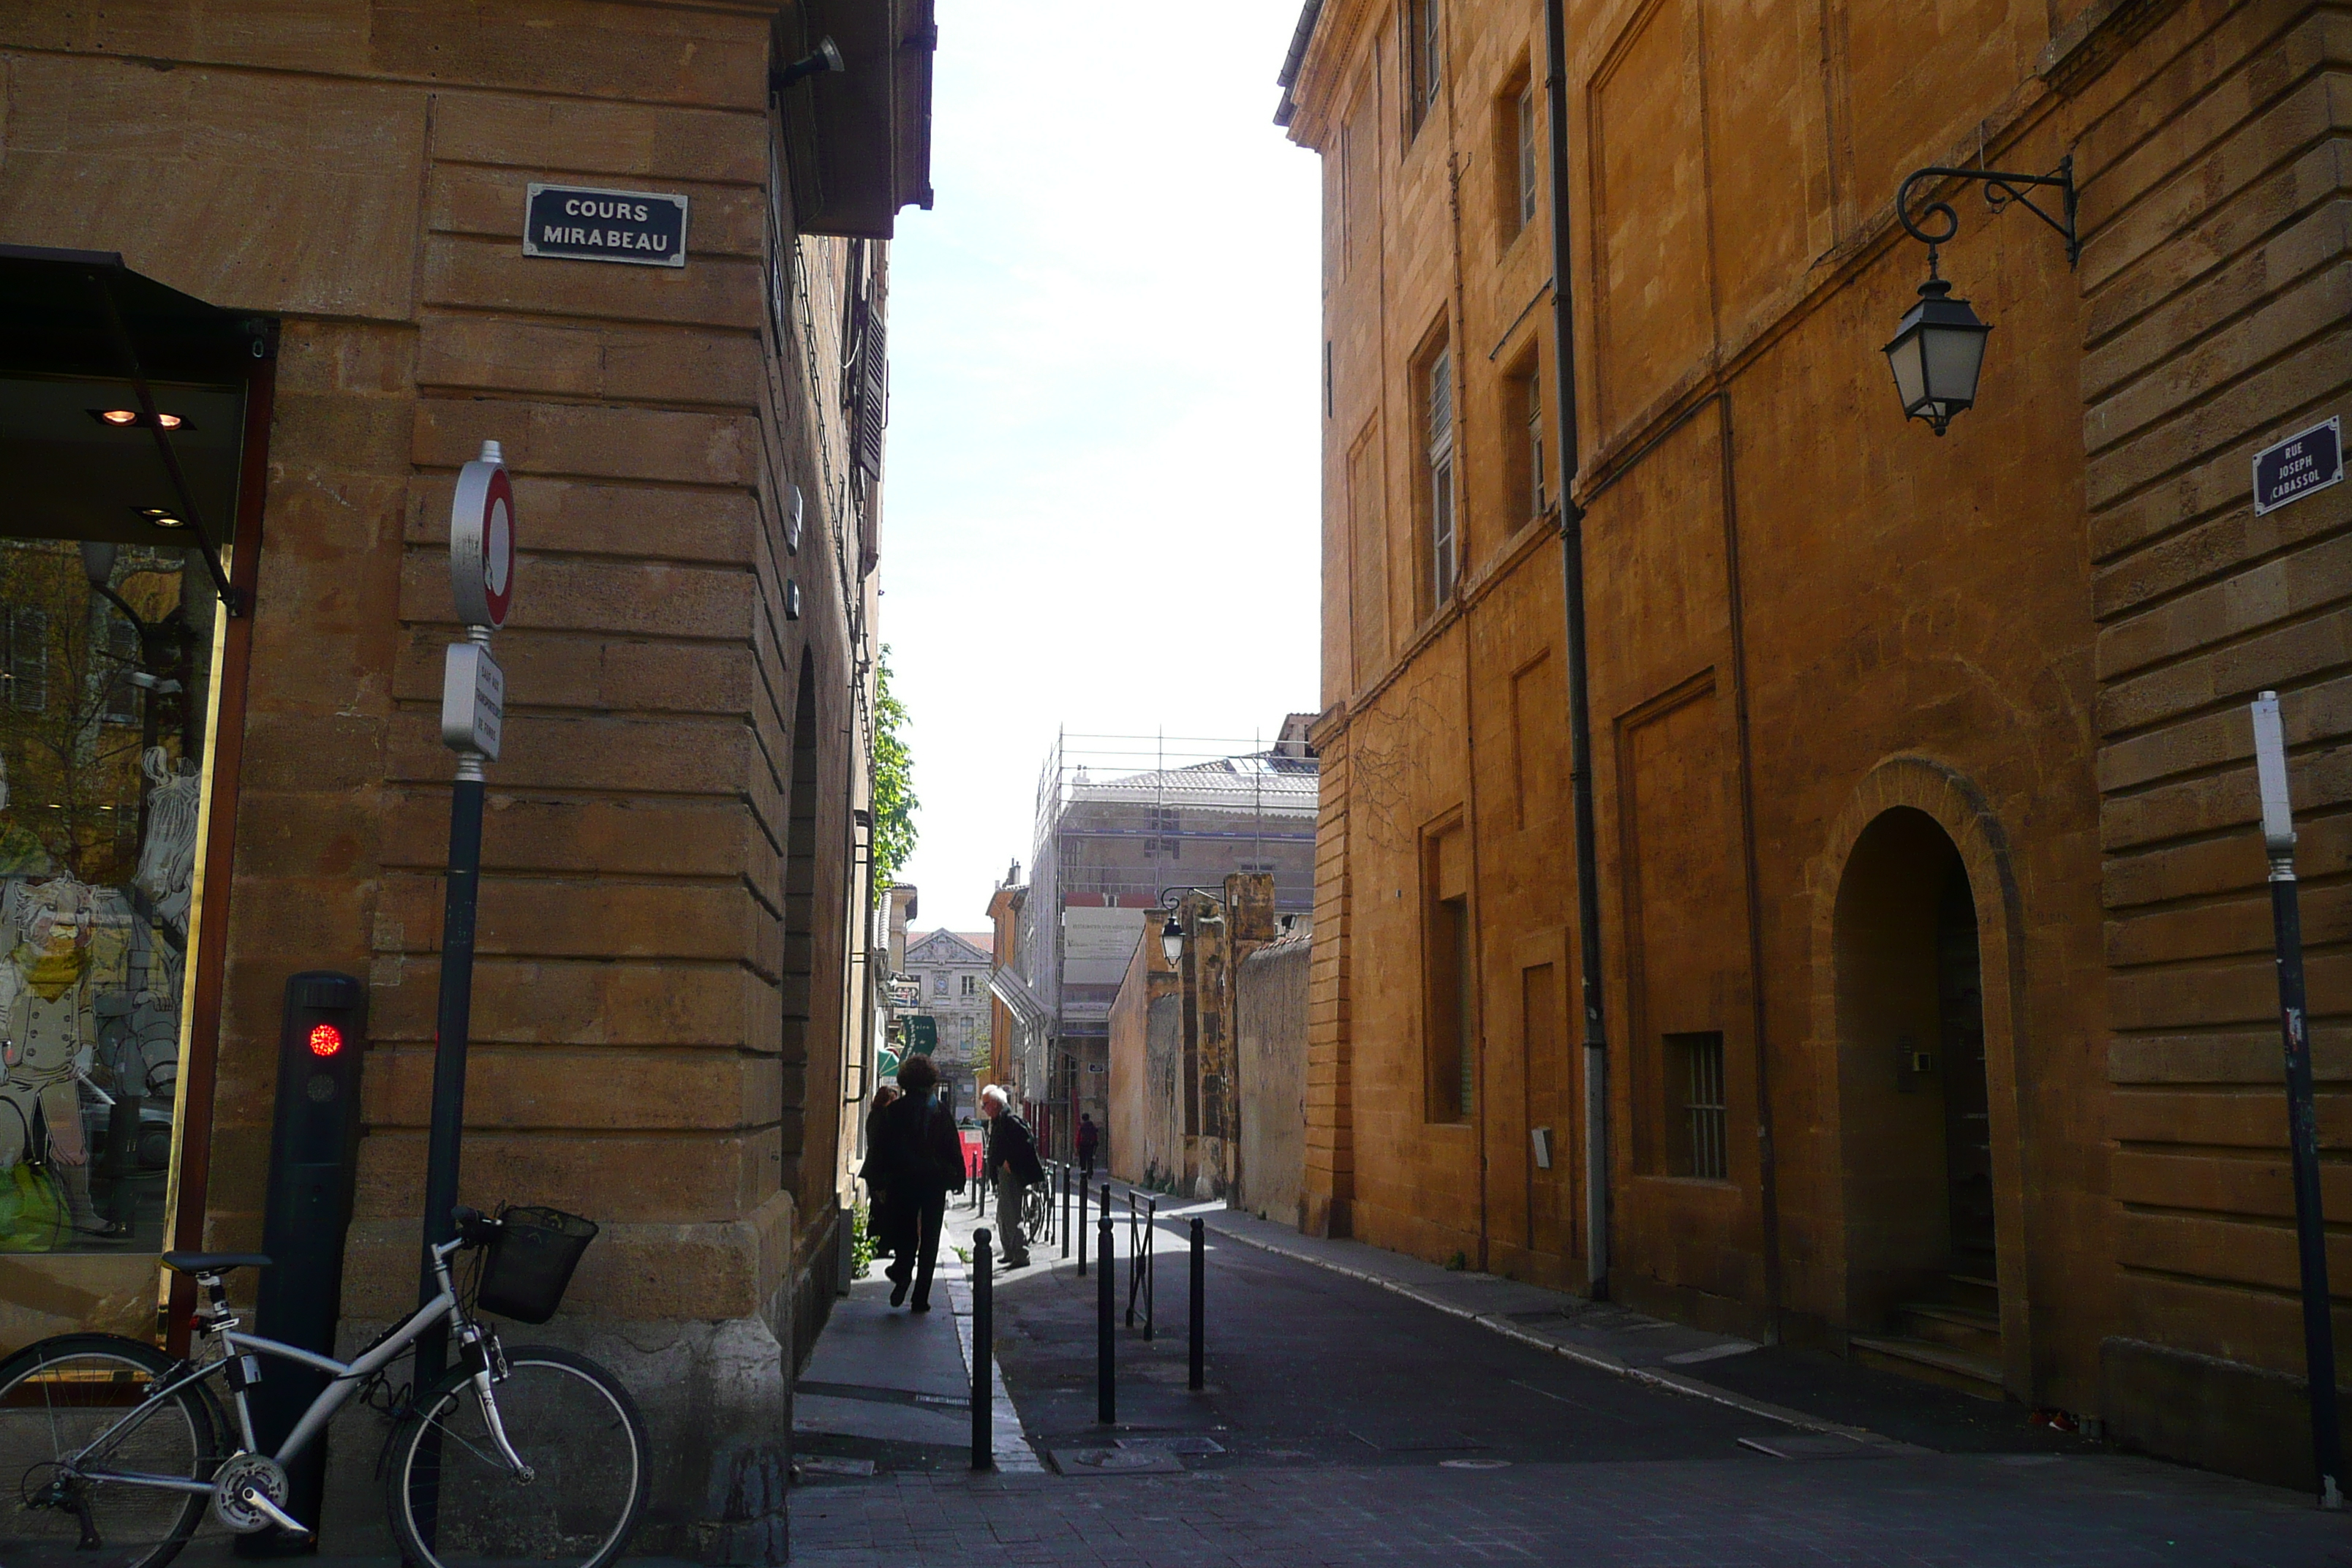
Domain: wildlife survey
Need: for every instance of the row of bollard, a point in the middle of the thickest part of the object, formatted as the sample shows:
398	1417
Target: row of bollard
984	1332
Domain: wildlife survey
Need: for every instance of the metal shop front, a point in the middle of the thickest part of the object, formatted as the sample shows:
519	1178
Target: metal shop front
132	422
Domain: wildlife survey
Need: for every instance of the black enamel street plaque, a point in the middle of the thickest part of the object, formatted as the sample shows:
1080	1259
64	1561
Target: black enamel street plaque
2305	461
582	224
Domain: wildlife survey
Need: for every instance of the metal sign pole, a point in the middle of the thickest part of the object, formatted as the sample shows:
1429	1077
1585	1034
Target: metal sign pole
2302	1140
473	712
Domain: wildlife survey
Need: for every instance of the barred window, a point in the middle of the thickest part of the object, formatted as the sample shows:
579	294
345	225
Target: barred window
1695	1072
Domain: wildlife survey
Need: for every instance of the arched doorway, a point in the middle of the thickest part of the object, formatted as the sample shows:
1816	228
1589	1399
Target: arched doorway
1922	1257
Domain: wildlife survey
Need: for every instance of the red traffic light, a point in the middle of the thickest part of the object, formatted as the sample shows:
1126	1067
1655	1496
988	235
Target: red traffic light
325	1040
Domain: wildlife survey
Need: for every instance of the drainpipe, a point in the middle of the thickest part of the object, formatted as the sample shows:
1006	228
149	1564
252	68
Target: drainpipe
1579	707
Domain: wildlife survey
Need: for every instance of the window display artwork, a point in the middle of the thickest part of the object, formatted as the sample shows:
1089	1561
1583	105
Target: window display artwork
105	668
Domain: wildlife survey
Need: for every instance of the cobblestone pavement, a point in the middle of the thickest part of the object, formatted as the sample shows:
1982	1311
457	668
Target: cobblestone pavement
1349	1421
2048	1511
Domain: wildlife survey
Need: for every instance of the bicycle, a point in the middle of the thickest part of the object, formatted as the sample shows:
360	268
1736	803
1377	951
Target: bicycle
111	1449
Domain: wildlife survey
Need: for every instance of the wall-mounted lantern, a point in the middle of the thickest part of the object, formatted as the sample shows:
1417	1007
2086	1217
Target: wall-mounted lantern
1171	940
1938	350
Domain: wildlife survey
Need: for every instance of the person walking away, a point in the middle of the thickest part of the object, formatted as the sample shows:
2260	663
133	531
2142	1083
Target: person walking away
1011	1166
913	1161
1089	1139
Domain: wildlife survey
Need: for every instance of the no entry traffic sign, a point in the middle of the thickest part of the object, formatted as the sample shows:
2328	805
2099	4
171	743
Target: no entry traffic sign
481	541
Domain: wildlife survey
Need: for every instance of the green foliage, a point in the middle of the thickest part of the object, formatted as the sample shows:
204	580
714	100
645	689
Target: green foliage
894	782
861	1244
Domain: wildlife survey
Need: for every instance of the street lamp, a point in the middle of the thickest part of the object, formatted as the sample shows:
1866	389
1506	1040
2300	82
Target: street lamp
1938	350
1172	940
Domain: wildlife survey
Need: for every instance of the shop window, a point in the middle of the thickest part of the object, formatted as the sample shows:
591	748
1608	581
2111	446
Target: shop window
1698	1143
101	779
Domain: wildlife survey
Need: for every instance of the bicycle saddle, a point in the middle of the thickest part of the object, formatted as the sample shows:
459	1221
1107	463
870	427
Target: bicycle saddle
214	1262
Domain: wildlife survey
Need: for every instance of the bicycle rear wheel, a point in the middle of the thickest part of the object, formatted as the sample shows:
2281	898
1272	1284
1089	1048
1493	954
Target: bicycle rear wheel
455	1501
87	1396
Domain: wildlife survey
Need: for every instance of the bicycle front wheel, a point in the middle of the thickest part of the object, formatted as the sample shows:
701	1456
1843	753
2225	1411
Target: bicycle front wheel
81	1403
456	1502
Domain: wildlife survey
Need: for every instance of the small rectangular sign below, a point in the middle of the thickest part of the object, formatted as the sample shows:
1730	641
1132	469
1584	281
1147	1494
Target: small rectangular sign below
2305	461
473	700
576	223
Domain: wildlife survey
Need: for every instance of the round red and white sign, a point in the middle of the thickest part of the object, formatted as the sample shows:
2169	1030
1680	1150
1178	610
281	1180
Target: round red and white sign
481	541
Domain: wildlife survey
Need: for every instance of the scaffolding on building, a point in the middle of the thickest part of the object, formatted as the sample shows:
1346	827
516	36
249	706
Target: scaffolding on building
1121	820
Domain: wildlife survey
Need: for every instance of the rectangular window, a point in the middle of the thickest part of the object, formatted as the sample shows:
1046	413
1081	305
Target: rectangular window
29	660
939	984
1522	419
1533	385
1438	455
113	673
1422	60
971	985
1528	155
1694	1079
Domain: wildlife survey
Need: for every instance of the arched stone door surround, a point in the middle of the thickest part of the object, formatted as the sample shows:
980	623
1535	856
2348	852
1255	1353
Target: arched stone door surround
1942	794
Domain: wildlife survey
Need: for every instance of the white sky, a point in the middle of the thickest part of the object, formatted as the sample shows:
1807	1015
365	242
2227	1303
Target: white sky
1102	508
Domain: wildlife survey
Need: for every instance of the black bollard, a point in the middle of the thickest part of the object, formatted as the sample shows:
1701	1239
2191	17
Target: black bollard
1082	1230
984	1338
1106	1342
1066	1211
1200	1298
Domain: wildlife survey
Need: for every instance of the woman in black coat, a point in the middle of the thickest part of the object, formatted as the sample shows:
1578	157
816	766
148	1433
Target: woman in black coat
913	1161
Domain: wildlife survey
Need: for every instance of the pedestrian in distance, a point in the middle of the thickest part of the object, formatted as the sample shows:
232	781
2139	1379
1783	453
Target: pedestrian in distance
1089	1139
1011	1168
913	1161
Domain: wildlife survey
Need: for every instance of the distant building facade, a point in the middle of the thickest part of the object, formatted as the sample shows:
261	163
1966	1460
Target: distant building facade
1124	824
950	972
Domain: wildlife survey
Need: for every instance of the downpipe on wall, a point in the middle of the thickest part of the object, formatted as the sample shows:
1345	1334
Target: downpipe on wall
1579	708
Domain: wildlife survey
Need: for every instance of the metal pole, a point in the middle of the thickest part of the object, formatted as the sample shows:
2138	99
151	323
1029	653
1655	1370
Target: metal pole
445	1143
1199	1330
1106	1341
983	1340
1082	1230
1150	1266
2303	1139
1066	1211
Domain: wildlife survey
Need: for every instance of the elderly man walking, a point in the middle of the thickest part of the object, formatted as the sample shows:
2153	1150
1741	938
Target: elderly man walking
1011	1167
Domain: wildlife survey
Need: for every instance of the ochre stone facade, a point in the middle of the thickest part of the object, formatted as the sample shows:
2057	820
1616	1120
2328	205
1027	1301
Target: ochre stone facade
669	915
1908	754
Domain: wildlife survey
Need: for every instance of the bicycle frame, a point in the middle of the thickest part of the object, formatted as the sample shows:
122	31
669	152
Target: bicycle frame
347	1378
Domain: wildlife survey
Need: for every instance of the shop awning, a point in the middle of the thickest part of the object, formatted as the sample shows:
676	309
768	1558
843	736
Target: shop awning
121	404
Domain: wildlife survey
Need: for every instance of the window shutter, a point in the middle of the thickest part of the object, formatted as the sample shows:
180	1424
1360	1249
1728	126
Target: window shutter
873	394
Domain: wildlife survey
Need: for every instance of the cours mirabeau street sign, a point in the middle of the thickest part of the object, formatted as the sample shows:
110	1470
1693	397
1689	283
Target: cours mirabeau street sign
2305	461
577	223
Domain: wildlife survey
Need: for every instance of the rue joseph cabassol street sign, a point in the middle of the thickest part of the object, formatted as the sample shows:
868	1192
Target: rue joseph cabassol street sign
644	228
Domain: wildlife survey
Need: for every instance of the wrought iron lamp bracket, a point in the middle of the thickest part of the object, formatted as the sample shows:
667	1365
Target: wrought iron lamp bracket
2002	188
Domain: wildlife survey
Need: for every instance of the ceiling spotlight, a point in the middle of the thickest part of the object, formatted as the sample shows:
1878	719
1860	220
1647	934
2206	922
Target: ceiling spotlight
158	516
126	418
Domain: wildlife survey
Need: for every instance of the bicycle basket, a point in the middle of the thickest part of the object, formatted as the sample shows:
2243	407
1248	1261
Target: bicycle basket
530	1261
